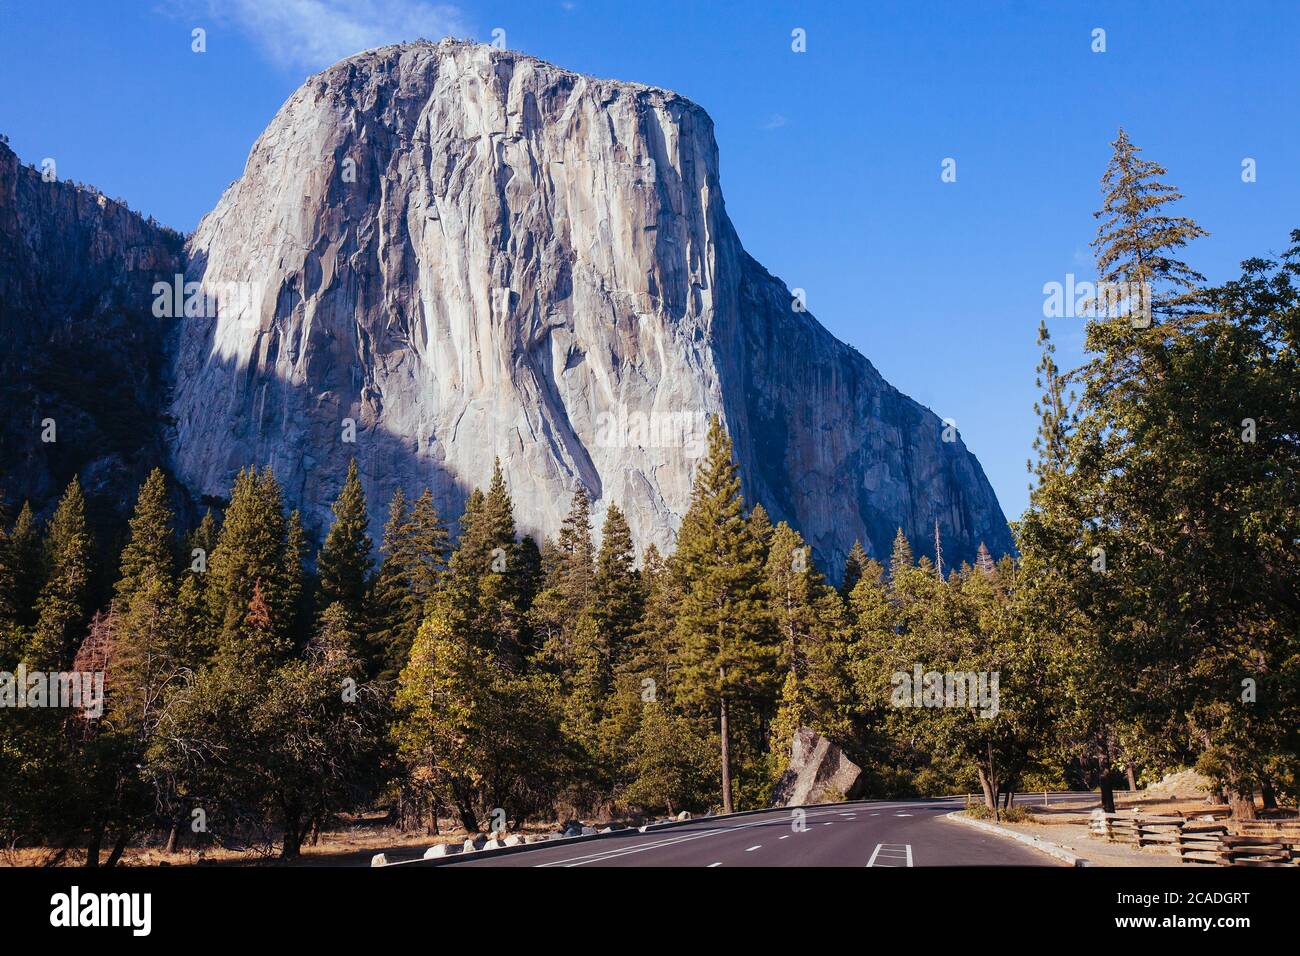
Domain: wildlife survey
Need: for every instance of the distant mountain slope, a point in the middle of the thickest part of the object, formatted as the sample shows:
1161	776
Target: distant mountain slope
81	345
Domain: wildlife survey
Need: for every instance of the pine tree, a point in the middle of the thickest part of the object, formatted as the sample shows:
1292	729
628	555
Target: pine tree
344	561
62	607
393	602
415	558
575	554
725	652
760	526
1135	238
296	582
569	579
1051	409
900	559
984	560
808	618
252	551
617	586
853	566
430	548
151	549
27	566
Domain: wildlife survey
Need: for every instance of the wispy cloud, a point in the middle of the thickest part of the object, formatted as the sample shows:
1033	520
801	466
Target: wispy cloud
312	34
776	122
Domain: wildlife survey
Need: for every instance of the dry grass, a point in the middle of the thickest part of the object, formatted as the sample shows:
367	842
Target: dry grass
351	844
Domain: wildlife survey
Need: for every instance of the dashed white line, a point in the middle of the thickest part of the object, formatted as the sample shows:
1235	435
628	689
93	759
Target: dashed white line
786	837
712	865
756	846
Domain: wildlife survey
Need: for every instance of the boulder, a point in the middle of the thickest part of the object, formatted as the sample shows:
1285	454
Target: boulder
818	772
495	843
513	839
684	815
473	843
379	859
440	850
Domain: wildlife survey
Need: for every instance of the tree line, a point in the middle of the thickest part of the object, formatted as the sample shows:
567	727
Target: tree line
1149	621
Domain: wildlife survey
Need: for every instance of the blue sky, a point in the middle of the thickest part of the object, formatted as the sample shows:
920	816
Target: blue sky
831	158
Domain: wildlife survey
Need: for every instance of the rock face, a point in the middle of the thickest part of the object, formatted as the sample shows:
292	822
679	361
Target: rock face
82	348
473	254
818	772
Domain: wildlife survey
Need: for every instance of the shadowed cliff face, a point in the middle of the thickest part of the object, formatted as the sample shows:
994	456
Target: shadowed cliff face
473	254
81	346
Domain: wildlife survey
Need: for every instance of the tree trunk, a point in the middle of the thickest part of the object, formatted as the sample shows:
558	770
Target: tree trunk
173	836
990	793
1104	782
1107	793
92	848
1132	777
1270	795
726	741
1243	803
118	848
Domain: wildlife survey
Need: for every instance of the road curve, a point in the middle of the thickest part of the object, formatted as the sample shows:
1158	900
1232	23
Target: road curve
875	833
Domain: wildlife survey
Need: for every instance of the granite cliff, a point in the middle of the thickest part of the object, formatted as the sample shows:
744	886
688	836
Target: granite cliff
439	254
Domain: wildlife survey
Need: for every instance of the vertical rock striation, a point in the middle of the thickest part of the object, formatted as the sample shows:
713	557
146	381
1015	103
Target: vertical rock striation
473	254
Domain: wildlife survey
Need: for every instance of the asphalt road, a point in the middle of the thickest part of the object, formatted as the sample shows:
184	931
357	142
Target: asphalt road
862	833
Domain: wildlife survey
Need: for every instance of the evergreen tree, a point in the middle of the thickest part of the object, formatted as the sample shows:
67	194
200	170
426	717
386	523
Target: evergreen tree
253	551
150	550
343	565
725	651
617	586
1135	238
63	604
900	559
808	618
415	558
26	557
760	527
853	567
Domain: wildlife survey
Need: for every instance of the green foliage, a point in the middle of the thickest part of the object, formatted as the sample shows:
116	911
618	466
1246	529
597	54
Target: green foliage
62	611
343	565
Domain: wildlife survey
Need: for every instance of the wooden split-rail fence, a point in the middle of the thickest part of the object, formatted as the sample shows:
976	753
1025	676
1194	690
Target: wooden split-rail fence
1217	841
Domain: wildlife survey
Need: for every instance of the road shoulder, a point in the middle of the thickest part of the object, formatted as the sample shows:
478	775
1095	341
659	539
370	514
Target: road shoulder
1060	853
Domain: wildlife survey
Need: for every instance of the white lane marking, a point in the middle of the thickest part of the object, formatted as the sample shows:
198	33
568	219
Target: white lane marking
828	823
786	837
756	846
902	814
712	865
892	853
642	847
